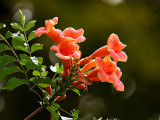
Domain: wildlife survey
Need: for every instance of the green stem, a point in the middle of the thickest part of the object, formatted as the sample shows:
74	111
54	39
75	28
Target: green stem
16	57
27	43
36	94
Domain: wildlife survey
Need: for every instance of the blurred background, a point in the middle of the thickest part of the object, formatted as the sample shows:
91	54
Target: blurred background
137	24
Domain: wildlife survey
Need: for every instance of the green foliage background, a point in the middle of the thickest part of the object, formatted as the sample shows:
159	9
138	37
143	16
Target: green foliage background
137	24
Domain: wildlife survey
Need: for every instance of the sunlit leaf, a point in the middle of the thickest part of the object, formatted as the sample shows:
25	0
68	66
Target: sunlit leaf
40	60
15	82
30	24
3	47
6	59
36	46
19	44
26	60
31	36
17	26
76	91
22	18
36	73
43	74
2	25
4	71
8	34
76	112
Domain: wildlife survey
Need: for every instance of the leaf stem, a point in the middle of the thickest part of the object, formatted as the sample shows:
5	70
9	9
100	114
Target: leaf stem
16	58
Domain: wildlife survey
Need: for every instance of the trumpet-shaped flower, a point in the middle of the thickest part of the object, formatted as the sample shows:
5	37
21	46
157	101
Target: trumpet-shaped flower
57	35
54	34
67	49
77	35
115	47
105	71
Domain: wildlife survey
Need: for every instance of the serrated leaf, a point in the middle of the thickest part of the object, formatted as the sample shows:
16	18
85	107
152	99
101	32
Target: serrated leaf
19	44
22	18
47	81
36	46
30	24
1	37
15	82
3	47
8	34
31	36
6	59
2	25
36	73
4	71
17	26
76	91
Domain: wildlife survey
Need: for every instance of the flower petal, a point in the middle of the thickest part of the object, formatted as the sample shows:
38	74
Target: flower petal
76	55
114	43
93	73
88	66
71	32
118	73
114	55
122	56
102	75
40	31
119	86
62	56
80	39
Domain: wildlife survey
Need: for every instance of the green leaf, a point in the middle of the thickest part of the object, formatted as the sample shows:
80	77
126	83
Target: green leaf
47	81
3	47
44	74
76	112
30	24
76	91
19	37
22	18
6	59
40	60
1	37
31	36
53	109
36	46
2	25
94	118
19	44
15	82
8	34
4	71
36	73
26	60
17	26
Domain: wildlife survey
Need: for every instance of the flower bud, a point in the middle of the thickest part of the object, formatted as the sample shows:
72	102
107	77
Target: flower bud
61	97
49	90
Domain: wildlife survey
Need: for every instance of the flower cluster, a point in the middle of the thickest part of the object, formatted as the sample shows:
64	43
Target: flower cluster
101	67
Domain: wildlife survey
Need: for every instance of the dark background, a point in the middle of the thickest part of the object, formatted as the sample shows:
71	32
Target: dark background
137	24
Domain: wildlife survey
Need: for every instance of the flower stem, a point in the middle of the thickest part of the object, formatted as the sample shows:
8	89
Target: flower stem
35	112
